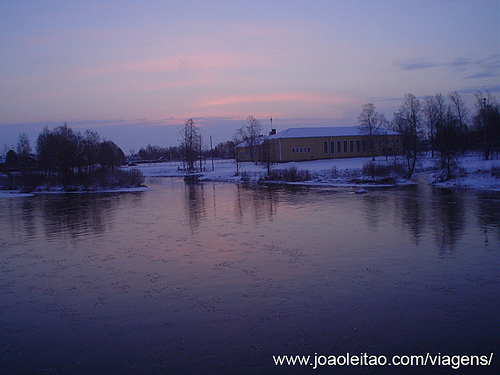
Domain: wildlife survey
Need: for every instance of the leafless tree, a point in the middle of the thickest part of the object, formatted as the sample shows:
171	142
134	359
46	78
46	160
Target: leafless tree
408	121
370	124
250	135
23	150
191	143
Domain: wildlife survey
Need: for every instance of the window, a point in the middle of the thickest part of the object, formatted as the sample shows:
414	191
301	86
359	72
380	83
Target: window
339	147
309	149
332	147
364	146
358	146
351	146
345	147
325	147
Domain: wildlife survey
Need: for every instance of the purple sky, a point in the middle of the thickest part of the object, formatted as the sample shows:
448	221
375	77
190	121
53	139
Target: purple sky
135	70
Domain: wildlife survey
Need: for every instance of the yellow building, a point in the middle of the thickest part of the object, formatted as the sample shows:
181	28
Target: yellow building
299	144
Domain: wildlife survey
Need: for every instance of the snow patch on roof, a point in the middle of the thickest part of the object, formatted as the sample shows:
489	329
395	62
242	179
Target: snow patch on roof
347	131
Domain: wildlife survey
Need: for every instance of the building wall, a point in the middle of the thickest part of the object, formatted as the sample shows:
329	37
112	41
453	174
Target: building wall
301	149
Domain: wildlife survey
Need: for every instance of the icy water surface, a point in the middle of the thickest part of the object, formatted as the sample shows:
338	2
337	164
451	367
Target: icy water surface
217	278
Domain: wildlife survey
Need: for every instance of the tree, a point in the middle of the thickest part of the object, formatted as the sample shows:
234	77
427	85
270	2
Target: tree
370	123
407	121
487	122
461	113
448	134
250	135
110	155
57	149
191	143
225	150
23	151
433	110
12	160
89	145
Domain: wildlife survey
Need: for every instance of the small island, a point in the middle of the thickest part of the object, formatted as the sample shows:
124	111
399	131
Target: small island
67	161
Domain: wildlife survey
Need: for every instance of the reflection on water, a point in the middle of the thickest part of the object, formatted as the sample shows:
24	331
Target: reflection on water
219	277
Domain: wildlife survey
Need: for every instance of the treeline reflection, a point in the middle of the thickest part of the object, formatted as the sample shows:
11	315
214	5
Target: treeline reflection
421	211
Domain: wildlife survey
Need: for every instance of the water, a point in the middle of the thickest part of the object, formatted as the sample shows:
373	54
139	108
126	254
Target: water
217	278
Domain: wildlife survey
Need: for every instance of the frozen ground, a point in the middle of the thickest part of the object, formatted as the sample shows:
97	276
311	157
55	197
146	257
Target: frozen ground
474	172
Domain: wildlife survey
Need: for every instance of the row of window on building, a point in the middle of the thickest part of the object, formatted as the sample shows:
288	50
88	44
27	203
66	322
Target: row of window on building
339	147
301	149
348	146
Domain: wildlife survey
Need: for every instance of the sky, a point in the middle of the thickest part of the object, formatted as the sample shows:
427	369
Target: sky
134	71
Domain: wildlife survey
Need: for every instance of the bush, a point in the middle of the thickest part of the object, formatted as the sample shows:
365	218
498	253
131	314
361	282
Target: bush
291	174
376	170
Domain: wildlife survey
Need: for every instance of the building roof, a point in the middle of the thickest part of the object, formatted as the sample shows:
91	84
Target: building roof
346	131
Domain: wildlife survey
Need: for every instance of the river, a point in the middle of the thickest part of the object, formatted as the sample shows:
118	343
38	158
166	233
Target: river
218	278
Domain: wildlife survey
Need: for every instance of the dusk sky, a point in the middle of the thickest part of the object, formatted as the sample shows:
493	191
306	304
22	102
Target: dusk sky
135	70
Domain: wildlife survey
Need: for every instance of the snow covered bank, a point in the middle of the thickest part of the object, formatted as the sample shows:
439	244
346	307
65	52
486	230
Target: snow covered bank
19	194
476	173
14	194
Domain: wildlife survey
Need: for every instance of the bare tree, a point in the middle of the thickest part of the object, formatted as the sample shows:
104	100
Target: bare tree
250	135
408	122
487	122
191	144
434	112
461	113
23	151
370	124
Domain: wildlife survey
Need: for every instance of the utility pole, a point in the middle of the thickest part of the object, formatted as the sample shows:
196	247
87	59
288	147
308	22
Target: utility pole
485	152
212	153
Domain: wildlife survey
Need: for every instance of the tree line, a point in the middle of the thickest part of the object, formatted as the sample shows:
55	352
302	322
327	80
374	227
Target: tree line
439	124
68	158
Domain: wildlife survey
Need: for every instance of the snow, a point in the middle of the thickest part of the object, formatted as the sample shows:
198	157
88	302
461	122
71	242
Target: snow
14	194
338	172
323	132
18	194
474	174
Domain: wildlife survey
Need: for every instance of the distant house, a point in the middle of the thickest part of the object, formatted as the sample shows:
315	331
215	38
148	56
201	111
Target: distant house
299	144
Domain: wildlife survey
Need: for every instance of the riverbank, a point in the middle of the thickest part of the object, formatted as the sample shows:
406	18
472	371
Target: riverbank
472	172
20	194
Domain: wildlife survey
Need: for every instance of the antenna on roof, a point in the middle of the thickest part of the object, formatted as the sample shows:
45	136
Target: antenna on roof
273	131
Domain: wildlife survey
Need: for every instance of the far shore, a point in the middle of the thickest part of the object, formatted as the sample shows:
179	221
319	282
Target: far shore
471	173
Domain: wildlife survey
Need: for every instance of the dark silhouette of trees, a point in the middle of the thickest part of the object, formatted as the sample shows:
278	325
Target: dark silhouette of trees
370	124
487	124
461	113
23	151
12	160
61	152
225	150
110	155
408	122
434	110
250	135
58	152
191	142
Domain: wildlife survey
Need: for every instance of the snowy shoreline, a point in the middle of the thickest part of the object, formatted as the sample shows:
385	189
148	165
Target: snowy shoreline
474	173
20	194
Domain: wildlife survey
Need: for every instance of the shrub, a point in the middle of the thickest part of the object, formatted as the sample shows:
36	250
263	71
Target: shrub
376	170
291	174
